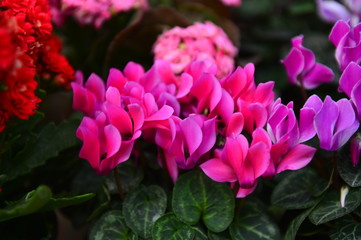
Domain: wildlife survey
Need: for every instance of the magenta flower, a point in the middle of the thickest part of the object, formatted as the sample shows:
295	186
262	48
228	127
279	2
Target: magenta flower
350	83
240	162
347	40
287	152
200	41
302	69
186	141
334	122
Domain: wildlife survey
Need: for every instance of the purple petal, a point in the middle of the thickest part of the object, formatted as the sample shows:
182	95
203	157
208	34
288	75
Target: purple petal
314	102
356	98
331	11
325	121
349	78
307	129
318	74
355	150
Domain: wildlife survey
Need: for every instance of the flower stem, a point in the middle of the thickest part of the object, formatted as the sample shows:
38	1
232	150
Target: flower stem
118	183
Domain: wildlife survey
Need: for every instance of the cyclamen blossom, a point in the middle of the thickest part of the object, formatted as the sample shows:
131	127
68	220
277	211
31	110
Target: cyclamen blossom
287	135
350	83
302	69
201	41
355	147
334	122
347	40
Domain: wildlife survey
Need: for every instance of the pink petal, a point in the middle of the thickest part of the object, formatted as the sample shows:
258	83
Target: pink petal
244	192
91	147
218	171
225	107
259	155
137	115
298	157
356	98
235	125
119	118
192	134
339	30
133	71
113	140
185	86
259	113
116	79
113	96
294	65
314	102
331	11
96	85
162	114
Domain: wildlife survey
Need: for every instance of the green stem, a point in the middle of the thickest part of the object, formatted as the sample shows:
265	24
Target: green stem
118	183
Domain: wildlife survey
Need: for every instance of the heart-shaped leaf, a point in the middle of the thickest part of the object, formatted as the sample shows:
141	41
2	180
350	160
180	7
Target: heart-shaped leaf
195	196
252	222
171	228
219	236
346	230
349	173
298	190
295	225
330	207
142	207
110	225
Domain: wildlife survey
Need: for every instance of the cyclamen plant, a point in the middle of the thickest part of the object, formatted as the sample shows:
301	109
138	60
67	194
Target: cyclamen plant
191	141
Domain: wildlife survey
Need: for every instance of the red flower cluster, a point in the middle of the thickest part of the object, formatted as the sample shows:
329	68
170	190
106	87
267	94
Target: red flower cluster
27	48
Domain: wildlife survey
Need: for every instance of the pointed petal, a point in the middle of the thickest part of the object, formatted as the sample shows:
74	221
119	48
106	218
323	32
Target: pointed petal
113	96
96	85
116	79
294	65
235	125
185	86
133	71
192	134
162	114
218	171
339	30
318	75
349	78
297	158
113	140
244	192
259	155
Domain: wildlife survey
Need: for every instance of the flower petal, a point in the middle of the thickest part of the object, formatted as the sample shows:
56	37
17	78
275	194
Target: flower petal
218	171
296	158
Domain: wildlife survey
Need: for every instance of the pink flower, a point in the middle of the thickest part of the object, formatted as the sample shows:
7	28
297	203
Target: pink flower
234	3
201	41
287	152
332	11
302	69
347	41
240	162
92	11
334	122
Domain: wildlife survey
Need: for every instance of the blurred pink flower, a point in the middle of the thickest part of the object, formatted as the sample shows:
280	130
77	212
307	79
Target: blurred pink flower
302	69
347	40
233	3
347	10
201	41
92	11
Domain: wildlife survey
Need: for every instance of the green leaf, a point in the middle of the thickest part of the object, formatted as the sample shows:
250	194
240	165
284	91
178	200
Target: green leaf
142	207
171	228
347	230
200	232
195	196
111	225
295	225
31	203
330	207
51	140
219	236
55	203
298	190
252	222
350	174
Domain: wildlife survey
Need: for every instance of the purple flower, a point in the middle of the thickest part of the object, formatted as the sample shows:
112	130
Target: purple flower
350	83
355	150
334	122
332	11
302	69
347	41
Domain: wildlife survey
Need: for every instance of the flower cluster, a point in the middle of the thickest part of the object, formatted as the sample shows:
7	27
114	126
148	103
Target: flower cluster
232	128
27	48
92	11
201	41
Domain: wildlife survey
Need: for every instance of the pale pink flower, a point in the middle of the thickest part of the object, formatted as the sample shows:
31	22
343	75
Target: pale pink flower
233	3
201	41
